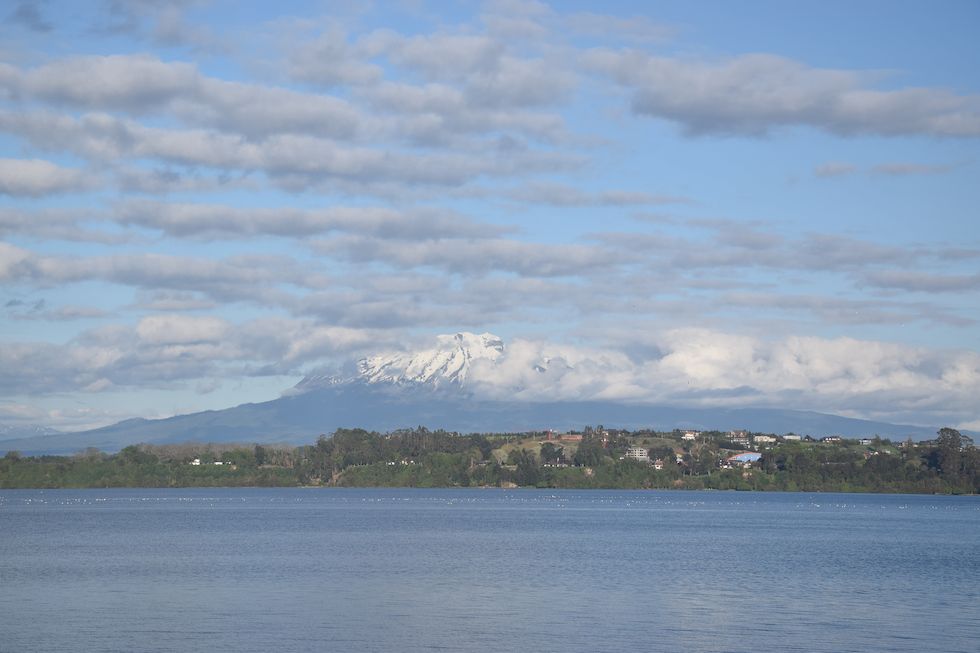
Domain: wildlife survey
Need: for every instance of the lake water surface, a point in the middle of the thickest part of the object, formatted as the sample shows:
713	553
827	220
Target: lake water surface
486	570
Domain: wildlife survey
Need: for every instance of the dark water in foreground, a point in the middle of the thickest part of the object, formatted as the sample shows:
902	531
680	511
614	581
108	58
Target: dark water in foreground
481	570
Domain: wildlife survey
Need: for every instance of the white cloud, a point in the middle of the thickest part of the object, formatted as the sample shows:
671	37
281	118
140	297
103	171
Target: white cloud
919	281
254	278
710	367
142	84
181	329
754	93
36	178
905	169
835	169
329	60
10	258
569	196
293	160
357	184
637	29
472	256
447	56
220	221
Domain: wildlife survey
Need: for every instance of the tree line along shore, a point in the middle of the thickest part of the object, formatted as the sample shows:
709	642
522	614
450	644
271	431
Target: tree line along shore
592	458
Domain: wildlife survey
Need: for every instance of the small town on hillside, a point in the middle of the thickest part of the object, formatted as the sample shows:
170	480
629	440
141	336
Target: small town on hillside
595	457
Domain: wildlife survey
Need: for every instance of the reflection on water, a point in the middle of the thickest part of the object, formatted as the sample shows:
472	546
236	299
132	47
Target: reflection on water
475	570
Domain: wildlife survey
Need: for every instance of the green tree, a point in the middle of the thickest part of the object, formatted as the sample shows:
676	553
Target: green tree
552	454
949	446
528	472
589	453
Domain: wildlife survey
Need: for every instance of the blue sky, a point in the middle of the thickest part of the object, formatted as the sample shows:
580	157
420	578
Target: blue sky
746	204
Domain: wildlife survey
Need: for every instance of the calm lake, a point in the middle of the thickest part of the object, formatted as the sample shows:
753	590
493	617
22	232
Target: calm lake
486	570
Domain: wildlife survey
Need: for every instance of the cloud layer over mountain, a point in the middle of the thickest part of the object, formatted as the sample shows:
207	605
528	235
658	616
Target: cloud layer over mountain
200	205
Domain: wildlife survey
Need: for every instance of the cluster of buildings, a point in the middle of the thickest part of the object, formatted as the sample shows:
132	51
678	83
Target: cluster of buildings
738	437
640	454
197	462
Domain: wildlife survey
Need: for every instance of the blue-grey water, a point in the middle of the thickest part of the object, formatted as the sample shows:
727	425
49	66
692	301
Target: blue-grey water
486	570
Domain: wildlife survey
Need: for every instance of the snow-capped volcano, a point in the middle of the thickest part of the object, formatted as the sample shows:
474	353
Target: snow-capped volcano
447	363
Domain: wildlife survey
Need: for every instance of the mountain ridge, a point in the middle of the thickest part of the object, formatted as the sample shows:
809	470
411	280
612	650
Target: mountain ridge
300	418
430	388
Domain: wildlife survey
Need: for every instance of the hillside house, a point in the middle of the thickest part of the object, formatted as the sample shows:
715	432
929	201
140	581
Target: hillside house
739	437
638	454
741	460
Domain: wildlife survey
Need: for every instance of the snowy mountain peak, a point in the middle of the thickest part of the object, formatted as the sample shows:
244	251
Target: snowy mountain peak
9	431
448	362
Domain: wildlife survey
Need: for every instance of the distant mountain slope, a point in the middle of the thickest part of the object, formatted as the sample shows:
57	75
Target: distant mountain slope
300	418
9	431
429	388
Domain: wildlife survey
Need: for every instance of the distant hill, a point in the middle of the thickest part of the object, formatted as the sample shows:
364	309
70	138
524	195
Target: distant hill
300	418
11	432
429	388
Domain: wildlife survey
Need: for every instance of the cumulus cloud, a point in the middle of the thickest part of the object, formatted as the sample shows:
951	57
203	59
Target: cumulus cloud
253	278
477	100
709	367
173	350
219	221
38	311
436	113
905	169
755	93
570	196
483	67
840	169
293	160
834	169
142	84
329	60
172	300
162	22
917	281
636	29
457	255
58	224
10	259
28	14
37	178
358	186
181	329
518	19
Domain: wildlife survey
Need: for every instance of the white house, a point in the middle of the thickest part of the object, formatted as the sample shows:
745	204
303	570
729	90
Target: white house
739	437
638	453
